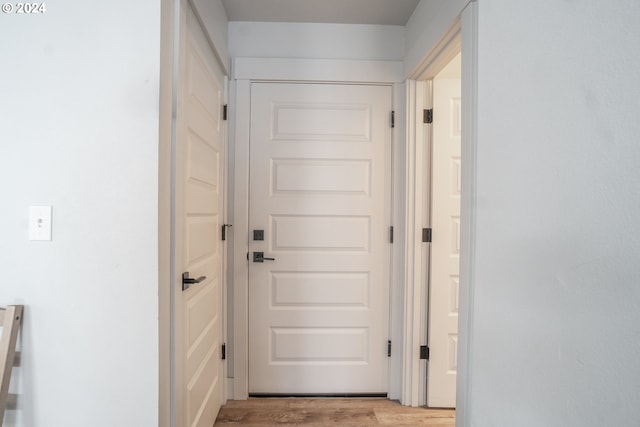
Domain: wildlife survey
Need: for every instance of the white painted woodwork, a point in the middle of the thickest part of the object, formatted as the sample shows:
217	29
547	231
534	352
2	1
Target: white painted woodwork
468	209
320	190
414	263
445	248
198	216
396	299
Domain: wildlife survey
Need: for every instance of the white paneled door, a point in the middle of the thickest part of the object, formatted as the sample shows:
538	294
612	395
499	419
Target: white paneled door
445	247
199	197
319	238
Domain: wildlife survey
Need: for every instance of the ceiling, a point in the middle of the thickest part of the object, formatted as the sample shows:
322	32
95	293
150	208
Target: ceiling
379	12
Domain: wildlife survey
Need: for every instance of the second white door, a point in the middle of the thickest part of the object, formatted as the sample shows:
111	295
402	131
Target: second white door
319	242
199	210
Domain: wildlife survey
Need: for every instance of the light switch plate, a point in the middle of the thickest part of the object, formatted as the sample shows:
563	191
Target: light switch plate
40	222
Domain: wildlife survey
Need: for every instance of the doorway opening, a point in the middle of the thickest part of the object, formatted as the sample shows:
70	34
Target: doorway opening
453	55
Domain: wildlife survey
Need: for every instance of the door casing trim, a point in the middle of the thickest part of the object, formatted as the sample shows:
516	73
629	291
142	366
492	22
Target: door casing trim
245	72
418	182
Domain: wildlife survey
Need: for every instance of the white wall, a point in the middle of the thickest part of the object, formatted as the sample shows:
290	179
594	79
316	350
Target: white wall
325	41
79	113
556	323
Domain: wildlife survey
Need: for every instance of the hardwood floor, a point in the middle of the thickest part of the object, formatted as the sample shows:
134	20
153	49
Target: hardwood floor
329	412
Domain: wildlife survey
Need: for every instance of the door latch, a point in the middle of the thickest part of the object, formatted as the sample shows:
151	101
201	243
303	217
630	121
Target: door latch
259	257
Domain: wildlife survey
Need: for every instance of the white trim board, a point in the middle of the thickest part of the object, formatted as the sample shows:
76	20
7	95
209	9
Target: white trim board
414	286
241	93
468	210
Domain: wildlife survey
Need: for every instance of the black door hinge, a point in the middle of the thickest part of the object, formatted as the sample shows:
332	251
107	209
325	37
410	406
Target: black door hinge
389	348
224	230
391	234
428	116
393	119
424	352
224	112
426	235
224	351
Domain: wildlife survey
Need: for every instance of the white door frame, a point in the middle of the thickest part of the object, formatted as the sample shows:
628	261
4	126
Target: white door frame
165	283
417	212
460	36
468	209
246	71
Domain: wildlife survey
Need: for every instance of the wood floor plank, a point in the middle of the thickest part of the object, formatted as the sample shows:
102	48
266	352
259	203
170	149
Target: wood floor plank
306	412
425	417
298	416
342	403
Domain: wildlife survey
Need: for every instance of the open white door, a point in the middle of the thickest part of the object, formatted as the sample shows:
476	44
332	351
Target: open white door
199	192
319	238
445	247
